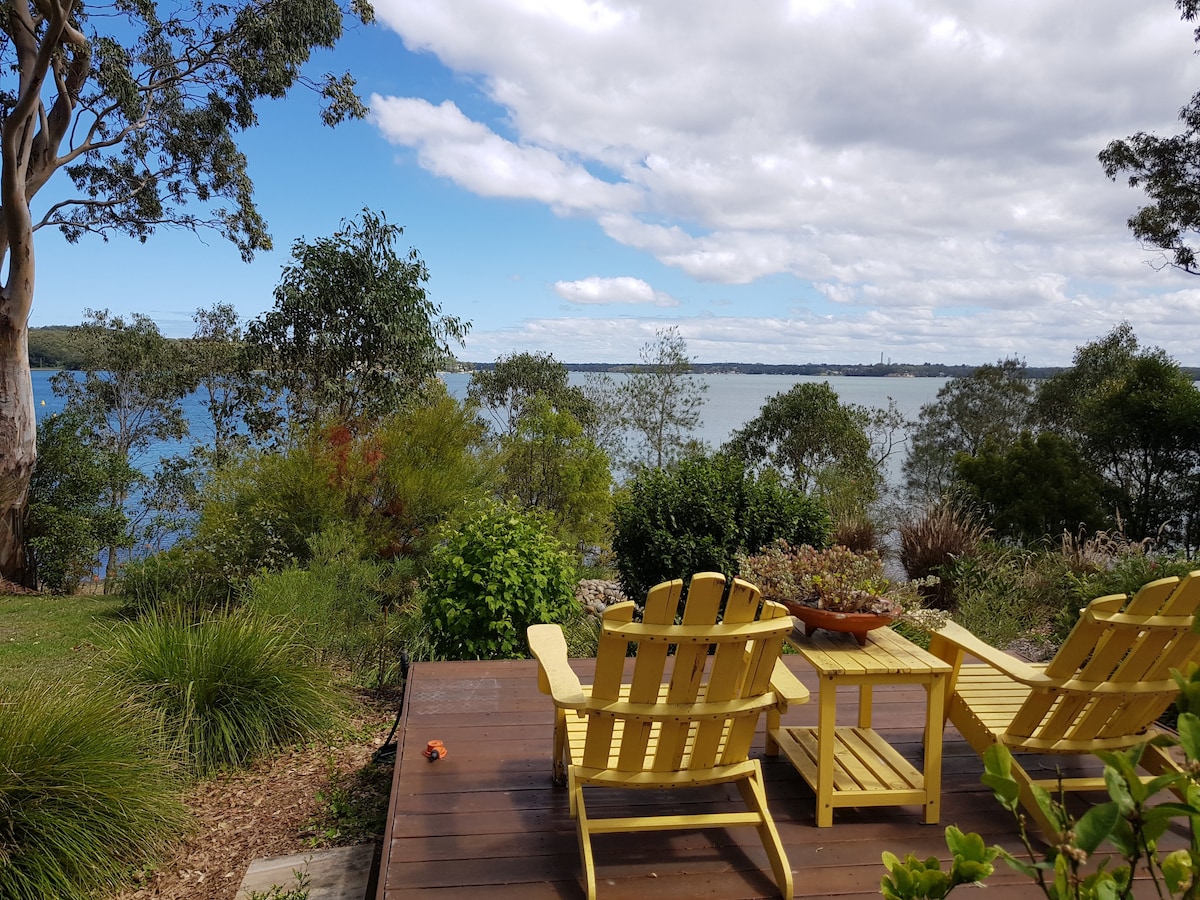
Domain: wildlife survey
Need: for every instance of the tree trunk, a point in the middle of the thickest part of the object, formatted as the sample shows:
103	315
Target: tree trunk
18	449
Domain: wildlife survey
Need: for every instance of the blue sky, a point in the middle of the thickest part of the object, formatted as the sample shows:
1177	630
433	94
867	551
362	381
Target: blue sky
813	181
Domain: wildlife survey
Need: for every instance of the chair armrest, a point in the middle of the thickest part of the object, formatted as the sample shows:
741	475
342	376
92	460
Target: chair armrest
555	675
961	638
787	687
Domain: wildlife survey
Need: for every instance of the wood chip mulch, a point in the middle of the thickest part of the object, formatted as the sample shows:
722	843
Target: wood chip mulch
273	809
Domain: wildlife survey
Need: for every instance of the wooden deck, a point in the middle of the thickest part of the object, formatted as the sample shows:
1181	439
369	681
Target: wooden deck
485	821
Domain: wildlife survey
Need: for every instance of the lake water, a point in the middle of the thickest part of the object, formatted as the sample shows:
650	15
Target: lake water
730	401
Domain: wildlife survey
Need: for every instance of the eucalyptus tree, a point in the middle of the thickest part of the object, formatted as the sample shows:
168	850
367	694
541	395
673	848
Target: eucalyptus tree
661	401
818	443
1167	169
129	400
139	105
353	334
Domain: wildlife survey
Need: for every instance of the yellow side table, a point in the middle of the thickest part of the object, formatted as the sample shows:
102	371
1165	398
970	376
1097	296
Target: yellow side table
855	766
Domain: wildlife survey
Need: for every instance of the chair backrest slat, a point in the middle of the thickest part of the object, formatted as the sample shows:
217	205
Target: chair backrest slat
687	677
1134	643
708	670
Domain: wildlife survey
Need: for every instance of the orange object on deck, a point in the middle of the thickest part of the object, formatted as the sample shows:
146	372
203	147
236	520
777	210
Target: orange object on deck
435	750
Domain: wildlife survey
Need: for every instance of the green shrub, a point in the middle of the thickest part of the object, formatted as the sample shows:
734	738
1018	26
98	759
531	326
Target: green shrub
182	577
699	514
490	579
1003	593
339	603
228	688
69	518
393	484
85	792
259	512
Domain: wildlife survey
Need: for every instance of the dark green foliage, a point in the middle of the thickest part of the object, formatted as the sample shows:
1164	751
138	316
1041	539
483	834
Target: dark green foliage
1032	488
353	335
993	402
490	579
85	792
68	519
817	442
1168	170
698	514
229	688
1135	417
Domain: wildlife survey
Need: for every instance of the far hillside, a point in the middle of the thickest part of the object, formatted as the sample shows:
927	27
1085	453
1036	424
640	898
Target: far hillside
54	347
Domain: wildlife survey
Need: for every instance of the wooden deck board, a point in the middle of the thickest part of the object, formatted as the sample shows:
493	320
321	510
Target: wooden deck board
485	820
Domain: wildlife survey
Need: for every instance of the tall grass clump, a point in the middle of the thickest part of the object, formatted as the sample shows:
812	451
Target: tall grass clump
86	792
228	688
935	537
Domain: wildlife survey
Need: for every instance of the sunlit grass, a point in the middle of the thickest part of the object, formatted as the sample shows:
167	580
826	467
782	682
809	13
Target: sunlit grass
49	636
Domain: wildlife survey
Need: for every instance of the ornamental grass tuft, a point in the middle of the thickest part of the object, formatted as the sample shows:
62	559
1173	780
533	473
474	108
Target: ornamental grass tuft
229	688
86	792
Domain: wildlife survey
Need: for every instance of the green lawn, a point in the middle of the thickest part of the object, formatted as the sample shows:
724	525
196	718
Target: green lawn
46	636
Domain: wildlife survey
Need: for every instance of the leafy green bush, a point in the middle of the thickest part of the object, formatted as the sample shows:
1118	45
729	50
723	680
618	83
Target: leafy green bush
85	792
228	688
394	484
69	520
697	515
259	511
490	579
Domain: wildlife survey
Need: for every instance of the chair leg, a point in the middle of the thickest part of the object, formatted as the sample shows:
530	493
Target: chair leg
585	840
560	748
755	796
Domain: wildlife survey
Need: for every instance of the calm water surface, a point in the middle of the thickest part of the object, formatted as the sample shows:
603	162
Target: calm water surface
730	401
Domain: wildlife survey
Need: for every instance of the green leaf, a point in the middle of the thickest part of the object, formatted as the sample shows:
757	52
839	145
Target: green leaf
1178	869
1095	825
1189	734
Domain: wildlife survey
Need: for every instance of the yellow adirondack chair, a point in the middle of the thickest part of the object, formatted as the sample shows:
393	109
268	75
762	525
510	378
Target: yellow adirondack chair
694	729
1103	690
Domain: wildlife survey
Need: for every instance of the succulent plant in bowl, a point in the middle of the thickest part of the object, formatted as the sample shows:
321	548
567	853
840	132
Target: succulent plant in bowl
837	580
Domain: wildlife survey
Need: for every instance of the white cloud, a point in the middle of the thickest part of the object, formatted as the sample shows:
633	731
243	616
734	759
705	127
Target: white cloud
451	145
898	159
609	291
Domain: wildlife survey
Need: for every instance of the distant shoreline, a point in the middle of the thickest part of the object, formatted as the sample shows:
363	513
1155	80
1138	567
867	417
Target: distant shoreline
823	370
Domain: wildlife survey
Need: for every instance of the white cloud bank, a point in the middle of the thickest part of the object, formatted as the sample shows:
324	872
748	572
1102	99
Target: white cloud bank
928	168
